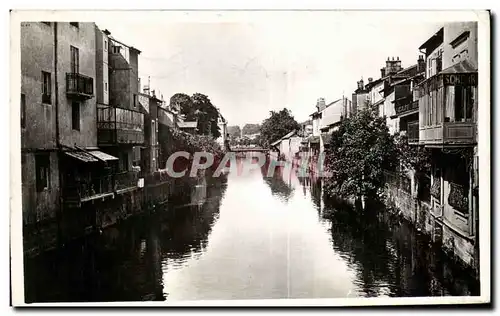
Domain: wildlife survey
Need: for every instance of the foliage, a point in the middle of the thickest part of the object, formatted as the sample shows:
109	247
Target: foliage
250	129
198	107
172	141
234	131
277	125
360	150
416	158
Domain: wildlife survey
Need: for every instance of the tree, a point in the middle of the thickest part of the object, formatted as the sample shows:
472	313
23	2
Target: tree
206	114
234	131
183	103
277	125
198	108
250	129
359	153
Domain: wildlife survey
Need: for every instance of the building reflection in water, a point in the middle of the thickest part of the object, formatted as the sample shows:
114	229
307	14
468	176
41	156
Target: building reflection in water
279	181
126	262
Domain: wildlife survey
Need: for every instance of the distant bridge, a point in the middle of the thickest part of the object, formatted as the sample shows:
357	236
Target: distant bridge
249	149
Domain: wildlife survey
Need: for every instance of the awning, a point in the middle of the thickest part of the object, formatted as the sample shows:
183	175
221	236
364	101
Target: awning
103	156
462	67
90	156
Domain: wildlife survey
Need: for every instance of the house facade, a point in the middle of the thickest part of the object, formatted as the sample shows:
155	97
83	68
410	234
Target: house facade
448	105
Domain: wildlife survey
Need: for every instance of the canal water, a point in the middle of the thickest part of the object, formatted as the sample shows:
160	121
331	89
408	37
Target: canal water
247	236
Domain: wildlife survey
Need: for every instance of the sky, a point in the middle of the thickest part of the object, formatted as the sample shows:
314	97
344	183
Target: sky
249	66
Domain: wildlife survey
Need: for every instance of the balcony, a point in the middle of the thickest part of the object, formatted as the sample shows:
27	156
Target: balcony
126	181
118	126
413	133
449	134
79	86
77	192
407	108
448	108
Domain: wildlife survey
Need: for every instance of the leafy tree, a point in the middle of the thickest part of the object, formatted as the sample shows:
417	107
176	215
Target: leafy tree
183	103
360	150
277	125
416	158
198	108
234	131
206	114
249	129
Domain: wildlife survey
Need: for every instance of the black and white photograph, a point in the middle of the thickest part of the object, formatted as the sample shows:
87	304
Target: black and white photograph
250	158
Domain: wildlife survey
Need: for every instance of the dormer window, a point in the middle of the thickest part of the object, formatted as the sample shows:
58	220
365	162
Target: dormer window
116	49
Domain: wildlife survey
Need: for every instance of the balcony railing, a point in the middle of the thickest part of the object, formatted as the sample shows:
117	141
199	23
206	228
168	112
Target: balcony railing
413	132
408	107
449	134
119	126
126	180
80	191
159	176
79	86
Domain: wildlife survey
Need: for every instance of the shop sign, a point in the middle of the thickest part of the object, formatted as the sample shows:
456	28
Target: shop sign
469	79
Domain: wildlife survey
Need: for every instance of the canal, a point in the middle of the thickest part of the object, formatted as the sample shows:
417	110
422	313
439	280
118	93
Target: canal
247	236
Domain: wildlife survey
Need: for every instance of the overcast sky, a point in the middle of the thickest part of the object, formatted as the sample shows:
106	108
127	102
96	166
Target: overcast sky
252	67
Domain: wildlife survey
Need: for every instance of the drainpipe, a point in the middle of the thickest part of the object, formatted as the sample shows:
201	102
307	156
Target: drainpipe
58	142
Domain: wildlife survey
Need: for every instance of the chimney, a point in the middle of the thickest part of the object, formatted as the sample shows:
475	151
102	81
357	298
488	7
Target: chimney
382	72
420	64
321	104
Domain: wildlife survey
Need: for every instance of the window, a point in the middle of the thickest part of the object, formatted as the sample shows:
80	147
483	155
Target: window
105	45
42	165
460	39
23	110
116	49
106	86
75	116
464	103
75	24
439	64
46	87
75	58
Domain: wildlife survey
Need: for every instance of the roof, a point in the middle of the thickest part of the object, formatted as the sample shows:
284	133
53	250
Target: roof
192	124
462	67
283	138
437	36
90	156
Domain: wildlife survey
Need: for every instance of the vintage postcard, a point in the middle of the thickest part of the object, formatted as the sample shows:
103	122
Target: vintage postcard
250	158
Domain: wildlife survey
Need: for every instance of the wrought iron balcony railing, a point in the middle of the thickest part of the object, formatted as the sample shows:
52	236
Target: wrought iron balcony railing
79	86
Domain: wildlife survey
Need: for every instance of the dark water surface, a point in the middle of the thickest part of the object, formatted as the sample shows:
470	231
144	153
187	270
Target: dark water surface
247	237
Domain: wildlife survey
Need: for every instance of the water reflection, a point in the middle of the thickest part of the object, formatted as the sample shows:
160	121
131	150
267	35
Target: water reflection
279	181
247	237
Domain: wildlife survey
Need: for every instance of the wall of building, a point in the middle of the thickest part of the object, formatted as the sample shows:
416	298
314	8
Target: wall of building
431	61
102	70
120	91
465	50
376	93
39	206
316	121
83	38
37	55
388	111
